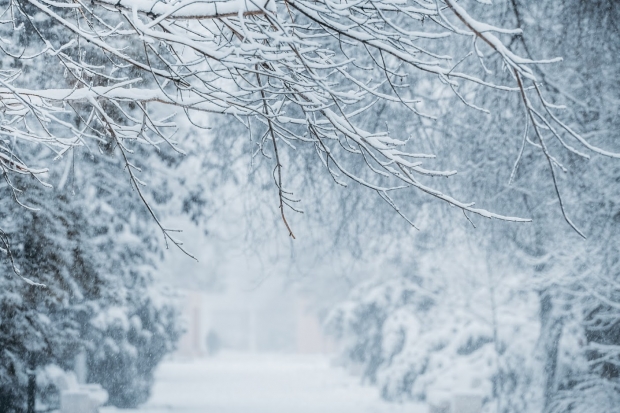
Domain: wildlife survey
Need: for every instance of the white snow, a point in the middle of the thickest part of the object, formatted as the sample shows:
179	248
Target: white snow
262	383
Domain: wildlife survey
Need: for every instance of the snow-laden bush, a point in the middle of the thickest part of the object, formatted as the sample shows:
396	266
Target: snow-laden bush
126	344
413	341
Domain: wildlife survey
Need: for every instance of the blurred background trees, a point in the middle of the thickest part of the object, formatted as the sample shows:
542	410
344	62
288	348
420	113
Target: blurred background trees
518	276
91	242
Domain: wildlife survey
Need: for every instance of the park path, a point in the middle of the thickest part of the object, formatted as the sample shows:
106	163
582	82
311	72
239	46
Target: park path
247	383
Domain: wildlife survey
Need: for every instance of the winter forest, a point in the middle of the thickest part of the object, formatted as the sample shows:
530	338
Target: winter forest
310	206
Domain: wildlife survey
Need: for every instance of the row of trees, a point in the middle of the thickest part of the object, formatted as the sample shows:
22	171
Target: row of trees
81	243
90	245
531	309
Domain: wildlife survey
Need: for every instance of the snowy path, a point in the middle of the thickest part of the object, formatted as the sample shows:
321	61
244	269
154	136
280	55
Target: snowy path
242	383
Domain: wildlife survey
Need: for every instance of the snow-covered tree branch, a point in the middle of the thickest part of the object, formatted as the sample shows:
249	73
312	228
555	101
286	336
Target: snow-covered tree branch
297	72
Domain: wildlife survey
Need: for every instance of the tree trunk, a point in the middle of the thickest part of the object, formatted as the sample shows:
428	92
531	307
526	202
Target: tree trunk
550	332
32	385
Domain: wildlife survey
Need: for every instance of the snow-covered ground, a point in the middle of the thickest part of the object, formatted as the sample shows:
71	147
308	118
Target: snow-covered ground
249	383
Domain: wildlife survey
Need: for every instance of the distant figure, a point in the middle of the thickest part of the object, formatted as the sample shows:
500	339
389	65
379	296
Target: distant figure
213	343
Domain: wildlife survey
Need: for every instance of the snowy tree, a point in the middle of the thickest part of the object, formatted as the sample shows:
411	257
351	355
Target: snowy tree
93	247
572	284
568	288
298	73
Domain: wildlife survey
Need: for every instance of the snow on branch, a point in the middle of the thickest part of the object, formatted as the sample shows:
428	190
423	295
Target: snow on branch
308	71
17	98
190	9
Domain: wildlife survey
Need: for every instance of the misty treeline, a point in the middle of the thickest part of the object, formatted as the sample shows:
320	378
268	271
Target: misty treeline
526	315
374	118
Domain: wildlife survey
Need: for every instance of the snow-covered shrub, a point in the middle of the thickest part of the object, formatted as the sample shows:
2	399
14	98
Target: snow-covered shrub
126	344
378	323
413	341
407	343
